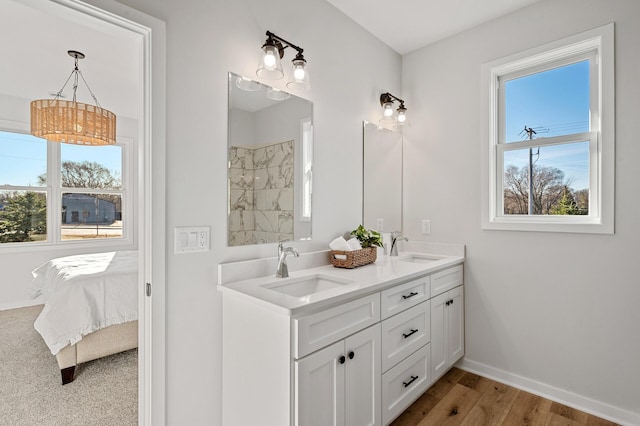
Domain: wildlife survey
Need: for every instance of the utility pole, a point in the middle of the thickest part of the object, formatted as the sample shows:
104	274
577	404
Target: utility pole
530	133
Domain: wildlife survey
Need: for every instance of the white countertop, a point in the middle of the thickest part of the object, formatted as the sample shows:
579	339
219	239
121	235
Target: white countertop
387	271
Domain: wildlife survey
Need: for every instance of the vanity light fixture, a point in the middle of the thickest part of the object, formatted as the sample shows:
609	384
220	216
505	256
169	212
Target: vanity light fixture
270	66
387	100
71	121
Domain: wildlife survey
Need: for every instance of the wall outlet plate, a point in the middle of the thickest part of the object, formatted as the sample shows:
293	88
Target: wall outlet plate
426	226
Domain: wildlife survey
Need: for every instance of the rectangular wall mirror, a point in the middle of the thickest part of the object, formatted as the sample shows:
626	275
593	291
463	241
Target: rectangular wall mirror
382	178
270	164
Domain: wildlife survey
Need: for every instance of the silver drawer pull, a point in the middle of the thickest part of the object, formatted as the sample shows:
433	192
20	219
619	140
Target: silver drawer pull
413	379
405	335
410	295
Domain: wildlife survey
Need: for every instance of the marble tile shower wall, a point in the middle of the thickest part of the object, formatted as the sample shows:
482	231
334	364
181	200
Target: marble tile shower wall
261	194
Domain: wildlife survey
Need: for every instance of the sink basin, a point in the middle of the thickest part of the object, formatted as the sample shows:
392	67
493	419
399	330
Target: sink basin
418	258
304	286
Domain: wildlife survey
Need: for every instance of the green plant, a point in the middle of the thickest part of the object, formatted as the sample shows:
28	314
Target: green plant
367	237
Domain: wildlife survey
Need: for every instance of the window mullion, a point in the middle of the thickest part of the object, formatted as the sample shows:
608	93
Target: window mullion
53	191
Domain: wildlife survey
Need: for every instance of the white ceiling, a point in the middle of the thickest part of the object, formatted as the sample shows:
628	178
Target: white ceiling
34	43
407	25
35	63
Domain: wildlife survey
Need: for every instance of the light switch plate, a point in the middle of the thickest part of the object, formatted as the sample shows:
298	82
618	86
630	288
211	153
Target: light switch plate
191	239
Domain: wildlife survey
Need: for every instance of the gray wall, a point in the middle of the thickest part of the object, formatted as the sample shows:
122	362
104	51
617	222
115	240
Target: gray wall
559	309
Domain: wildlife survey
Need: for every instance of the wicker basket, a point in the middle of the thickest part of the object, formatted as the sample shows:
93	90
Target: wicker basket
353	258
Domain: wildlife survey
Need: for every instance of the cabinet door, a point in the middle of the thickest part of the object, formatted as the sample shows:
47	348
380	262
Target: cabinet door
455	338
320	387
363	378
439	335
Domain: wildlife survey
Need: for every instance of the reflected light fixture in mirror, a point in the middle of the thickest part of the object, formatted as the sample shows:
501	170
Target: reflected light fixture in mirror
270	66
277	95
389	116
247	84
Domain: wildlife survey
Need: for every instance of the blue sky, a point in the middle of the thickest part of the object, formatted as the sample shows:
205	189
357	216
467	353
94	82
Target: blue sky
553	103
24	157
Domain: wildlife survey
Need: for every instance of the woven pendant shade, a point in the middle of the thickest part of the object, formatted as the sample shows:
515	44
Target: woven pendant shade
72	122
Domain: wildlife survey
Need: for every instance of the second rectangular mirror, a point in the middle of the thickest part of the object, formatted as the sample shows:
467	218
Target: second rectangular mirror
382	178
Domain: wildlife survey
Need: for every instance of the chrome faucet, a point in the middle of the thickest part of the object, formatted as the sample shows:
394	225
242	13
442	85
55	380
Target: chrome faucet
283	270
395	236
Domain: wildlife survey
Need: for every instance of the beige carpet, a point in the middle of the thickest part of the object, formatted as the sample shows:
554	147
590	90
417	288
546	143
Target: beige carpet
104	392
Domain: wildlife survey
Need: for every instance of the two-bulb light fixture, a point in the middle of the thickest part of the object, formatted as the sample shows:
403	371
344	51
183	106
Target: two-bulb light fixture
391	116
270	66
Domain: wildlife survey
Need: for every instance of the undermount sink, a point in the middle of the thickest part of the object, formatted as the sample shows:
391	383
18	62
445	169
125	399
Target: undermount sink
307	285
418	258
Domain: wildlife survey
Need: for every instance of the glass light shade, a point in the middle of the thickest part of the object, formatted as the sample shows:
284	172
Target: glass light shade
270	66
388	109
402	116
277	95
299	75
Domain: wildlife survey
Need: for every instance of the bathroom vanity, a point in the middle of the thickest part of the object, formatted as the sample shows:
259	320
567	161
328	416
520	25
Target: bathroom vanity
330	346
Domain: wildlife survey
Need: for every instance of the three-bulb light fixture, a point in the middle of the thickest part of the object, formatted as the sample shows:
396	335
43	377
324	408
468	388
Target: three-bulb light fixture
270	66
399	116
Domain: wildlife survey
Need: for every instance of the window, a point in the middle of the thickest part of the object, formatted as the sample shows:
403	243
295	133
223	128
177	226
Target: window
306	169
550	140
56	193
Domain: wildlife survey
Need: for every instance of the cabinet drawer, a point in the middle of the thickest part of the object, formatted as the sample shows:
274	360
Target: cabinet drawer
402	334
397	299
404	383
316	331
446	280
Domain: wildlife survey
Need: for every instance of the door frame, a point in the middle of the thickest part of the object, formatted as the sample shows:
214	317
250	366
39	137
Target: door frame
151	179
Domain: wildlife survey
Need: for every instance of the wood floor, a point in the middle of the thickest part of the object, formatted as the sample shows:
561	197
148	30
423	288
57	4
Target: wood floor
462	398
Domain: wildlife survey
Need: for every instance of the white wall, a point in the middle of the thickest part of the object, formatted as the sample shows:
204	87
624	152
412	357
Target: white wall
206	39
559	309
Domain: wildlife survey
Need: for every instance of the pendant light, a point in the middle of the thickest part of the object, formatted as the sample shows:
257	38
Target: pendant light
73	122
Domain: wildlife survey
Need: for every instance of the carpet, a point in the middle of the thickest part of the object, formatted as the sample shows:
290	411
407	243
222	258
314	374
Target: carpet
104	392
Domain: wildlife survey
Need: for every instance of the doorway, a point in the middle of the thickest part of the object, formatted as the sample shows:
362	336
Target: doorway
143	118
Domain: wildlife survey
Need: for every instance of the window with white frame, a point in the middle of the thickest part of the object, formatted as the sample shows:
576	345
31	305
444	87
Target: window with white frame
306	130
549	145
53	193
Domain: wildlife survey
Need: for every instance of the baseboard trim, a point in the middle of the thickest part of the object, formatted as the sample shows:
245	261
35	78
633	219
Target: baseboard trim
20	304
591	406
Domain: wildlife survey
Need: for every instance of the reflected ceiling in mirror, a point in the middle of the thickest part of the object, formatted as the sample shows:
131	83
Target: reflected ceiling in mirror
382	178
270	164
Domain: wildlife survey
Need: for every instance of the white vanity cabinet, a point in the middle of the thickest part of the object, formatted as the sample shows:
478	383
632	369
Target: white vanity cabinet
447	320
405	345
352	362
340	384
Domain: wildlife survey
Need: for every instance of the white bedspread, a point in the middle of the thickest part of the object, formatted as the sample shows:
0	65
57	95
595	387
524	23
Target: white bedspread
85	293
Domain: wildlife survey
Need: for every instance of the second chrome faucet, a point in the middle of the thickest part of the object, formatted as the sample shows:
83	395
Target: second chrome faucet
283	270
395	236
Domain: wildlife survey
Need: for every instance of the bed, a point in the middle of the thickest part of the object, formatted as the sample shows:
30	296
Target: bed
90	307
